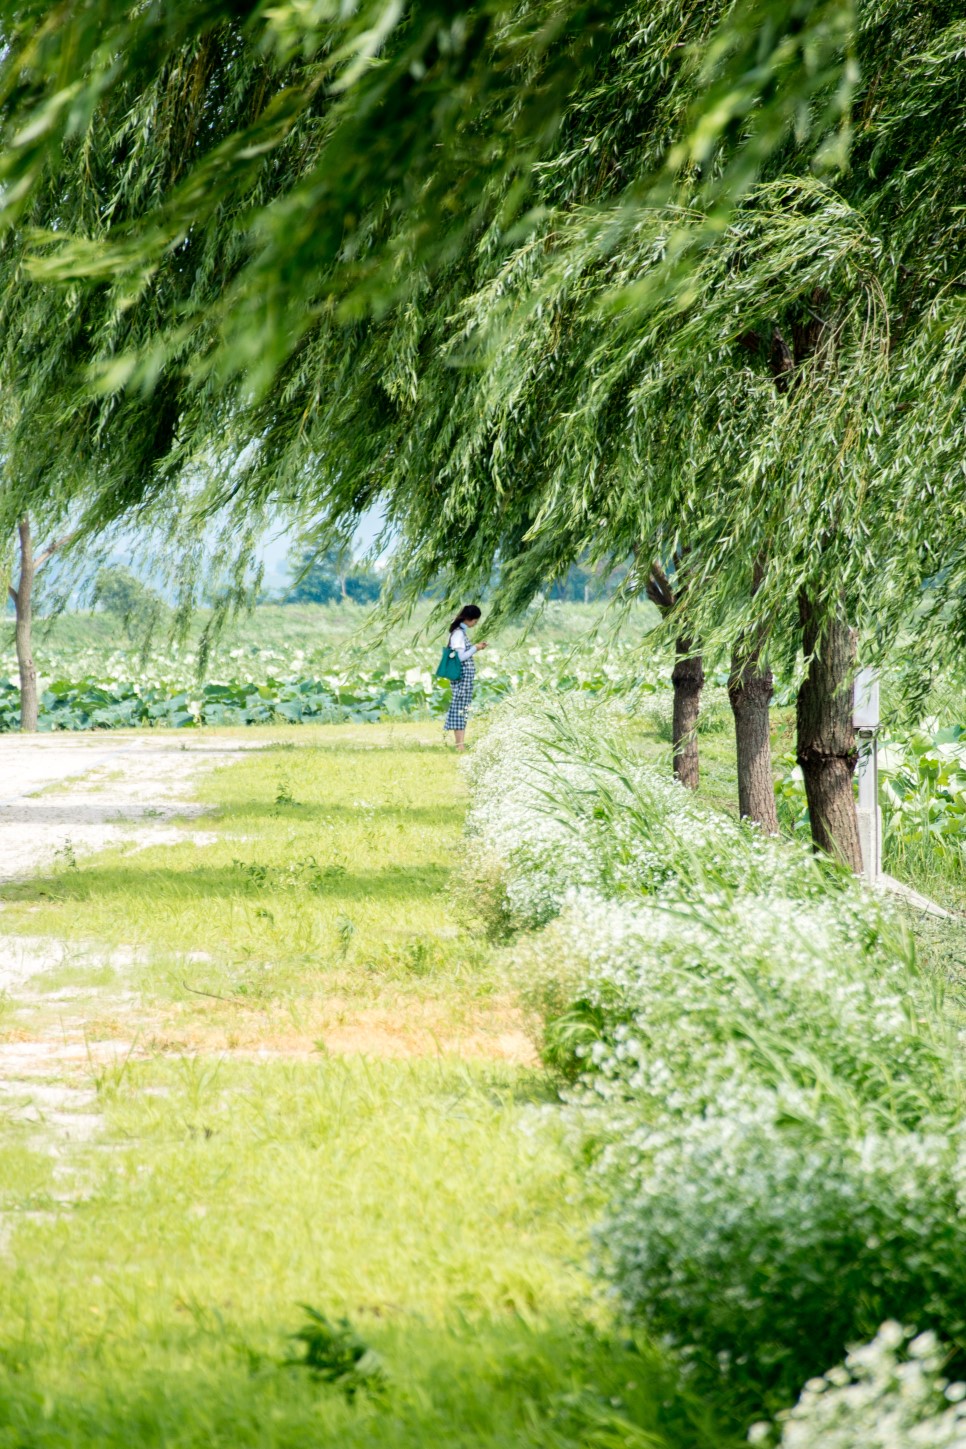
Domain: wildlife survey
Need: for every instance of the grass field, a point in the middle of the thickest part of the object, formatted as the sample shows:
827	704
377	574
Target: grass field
328	901
348	1118
318	633
348	662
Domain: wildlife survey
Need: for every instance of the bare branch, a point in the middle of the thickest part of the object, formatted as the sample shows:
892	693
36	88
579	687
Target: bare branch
658	588
54	547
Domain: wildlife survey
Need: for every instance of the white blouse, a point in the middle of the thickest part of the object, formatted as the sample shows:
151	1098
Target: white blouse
459	640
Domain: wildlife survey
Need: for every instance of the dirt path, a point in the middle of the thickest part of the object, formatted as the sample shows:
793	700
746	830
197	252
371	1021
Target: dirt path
84	792
68	795
62	796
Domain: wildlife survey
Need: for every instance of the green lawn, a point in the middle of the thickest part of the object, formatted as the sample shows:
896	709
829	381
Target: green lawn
160	1267
338	1122
326	891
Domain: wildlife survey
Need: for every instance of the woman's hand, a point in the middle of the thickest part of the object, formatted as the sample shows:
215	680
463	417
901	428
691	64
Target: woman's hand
482	644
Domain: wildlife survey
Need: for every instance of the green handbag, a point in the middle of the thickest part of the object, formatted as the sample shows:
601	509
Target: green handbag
450	666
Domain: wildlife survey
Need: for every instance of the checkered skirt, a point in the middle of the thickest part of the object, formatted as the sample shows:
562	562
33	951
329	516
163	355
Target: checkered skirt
459	705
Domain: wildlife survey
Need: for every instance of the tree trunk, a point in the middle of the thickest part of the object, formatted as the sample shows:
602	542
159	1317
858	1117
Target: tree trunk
22	597
826	735
749	690
688	680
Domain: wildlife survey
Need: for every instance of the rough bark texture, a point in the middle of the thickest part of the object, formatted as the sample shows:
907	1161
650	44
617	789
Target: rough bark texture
688	680
750	690
22	597
826	735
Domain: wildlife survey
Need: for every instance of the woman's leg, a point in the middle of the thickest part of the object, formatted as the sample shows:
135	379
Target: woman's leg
460	736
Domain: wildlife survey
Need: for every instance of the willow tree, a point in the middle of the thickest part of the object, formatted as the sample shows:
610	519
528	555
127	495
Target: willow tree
235	124
810	502
422	107
688	212
29	566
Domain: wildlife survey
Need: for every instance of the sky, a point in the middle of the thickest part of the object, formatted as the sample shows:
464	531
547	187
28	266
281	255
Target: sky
274	550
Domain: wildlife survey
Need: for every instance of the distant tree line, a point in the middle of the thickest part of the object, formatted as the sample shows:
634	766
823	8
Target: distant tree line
334	575
330	576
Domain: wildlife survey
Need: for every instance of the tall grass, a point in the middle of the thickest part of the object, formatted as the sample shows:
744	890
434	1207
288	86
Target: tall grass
154	1276
768	1086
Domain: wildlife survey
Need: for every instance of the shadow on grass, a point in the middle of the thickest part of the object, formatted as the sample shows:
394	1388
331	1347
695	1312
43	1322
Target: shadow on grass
244	881
477	1385
442	815
398	744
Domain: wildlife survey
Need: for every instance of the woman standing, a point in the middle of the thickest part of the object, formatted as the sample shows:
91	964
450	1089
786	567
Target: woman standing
459	640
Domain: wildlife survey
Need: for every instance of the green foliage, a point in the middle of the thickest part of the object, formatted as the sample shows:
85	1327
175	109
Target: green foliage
351	258
924	790
308	666
437	117
136	607
327	577
89	704
334	1353
625	281
771	1090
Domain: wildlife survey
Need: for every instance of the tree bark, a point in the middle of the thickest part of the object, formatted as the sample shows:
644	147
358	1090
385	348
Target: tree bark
688	680
750	690
22	597
826	734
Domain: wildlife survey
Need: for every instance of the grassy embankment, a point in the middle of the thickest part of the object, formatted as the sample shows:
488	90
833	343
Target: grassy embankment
233	1165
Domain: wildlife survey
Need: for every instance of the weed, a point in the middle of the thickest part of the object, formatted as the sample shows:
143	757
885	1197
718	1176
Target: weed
346	929
257	874
109	1077
283	793
335	1354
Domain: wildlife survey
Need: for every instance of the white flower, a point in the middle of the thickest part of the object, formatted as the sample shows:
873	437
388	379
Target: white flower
775	1109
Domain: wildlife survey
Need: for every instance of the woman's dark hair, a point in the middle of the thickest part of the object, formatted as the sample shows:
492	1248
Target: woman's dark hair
468	611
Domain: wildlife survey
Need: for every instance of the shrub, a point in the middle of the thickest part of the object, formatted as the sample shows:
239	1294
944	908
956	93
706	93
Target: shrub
889	1394
772	1098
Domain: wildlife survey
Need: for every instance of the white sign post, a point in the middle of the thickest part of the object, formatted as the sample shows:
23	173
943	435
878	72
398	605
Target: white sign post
865	717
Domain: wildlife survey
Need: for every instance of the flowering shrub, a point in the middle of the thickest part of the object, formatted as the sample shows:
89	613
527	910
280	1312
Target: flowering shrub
558	805
773	1101
889	1394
